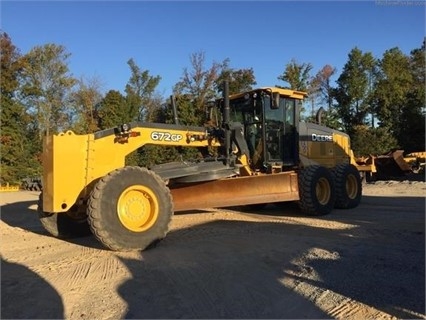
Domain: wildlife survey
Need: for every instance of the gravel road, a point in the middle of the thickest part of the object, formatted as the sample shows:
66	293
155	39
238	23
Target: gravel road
368	262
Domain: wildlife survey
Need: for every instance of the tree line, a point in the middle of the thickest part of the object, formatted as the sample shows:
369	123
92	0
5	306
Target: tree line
380	103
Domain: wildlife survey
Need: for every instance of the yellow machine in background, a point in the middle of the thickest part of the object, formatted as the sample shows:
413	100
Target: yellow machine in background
265	155
8	188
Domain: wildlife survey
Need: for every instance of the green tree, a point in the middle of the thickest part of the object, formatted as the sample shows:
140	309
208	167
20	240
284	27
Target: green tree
322	96
400	97
371	141
297	75
154	107
197	84
84	101
139	92
411	129
313	97
16	160
354	89
112	110
196	88
239	80
323	82
395	81
46	85
142	104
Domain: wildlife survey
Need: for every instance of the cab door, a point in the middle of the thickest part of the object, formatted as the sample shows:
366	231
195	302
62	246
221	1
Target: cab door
291	137
281	133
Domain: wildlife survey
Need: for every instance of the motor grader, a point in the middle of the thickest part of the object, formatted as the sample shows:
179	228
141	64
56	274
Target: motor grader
264	155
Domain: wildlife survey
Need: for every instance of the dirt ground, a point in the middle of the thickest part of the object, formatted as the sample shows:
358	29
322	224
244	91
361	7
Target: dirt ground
364	263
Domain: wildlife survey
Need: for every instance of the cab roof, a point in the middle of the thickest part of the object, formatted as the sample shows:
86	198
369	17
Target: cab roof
284	92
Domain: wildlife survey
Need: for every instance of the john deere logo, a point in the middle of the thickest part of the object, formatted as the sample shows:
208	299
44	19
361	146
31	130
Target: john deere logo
321	137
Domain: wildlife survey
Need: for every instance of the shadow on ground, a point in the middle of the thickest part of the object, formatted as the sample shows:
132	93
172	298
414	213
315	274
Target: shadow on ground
241	269
238	269
25	295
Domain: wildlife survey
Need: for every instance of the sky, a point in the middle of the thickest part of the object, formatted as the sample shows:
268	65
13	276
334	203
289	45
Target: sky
160	36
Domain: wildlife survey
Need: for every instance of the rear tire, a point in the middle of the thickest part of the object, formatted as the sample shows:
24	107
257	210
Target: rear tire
316	190
130	209
64	225
348	186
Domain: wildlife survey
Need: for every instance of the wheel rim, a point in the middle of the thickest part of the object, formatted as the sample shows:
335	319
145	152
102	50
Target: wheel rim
137	208
323	191
351	186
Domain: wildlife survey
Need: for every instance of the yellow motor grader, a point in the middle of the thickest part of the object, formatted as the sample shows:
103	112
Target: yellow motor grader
264	155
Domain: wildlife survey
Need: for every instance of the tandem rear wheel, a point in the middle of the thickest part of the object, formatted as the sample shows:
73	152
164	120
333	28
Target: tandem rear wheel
321	189
348	184
316	190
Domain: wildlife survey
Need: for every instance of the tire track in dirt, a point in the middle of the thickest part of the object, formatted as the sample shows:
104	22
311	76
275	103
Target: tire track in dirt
350	309
335	305
109	268
93	273
84	270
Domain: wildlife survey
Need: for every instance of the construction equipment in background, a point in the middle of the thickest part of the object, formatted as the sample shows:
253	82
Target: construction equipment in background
391	165
366	167
9	188
32	184
29	184
394	164
417	161
257	152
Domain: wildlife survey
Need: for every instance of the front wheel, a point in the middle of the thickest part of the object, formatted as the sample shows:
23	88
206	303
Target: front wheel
316	191
130	209
348	186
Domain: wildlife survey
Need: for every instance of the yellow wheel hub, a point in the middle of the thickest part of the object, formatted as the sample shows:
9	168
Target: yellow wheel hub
323	191
351	186
137	208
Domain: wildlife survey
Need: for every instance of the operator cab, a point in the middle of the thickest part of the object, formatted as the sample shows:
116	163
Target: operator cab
270	119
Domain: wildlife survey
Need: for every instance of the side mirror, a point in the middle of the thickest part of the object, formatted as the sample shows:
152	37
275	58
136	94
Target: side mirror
275	100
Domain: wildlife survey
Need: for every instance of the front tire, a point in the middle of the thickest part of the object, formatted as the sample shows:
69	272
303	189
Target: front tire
130	209
64	225
316	191
348	186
